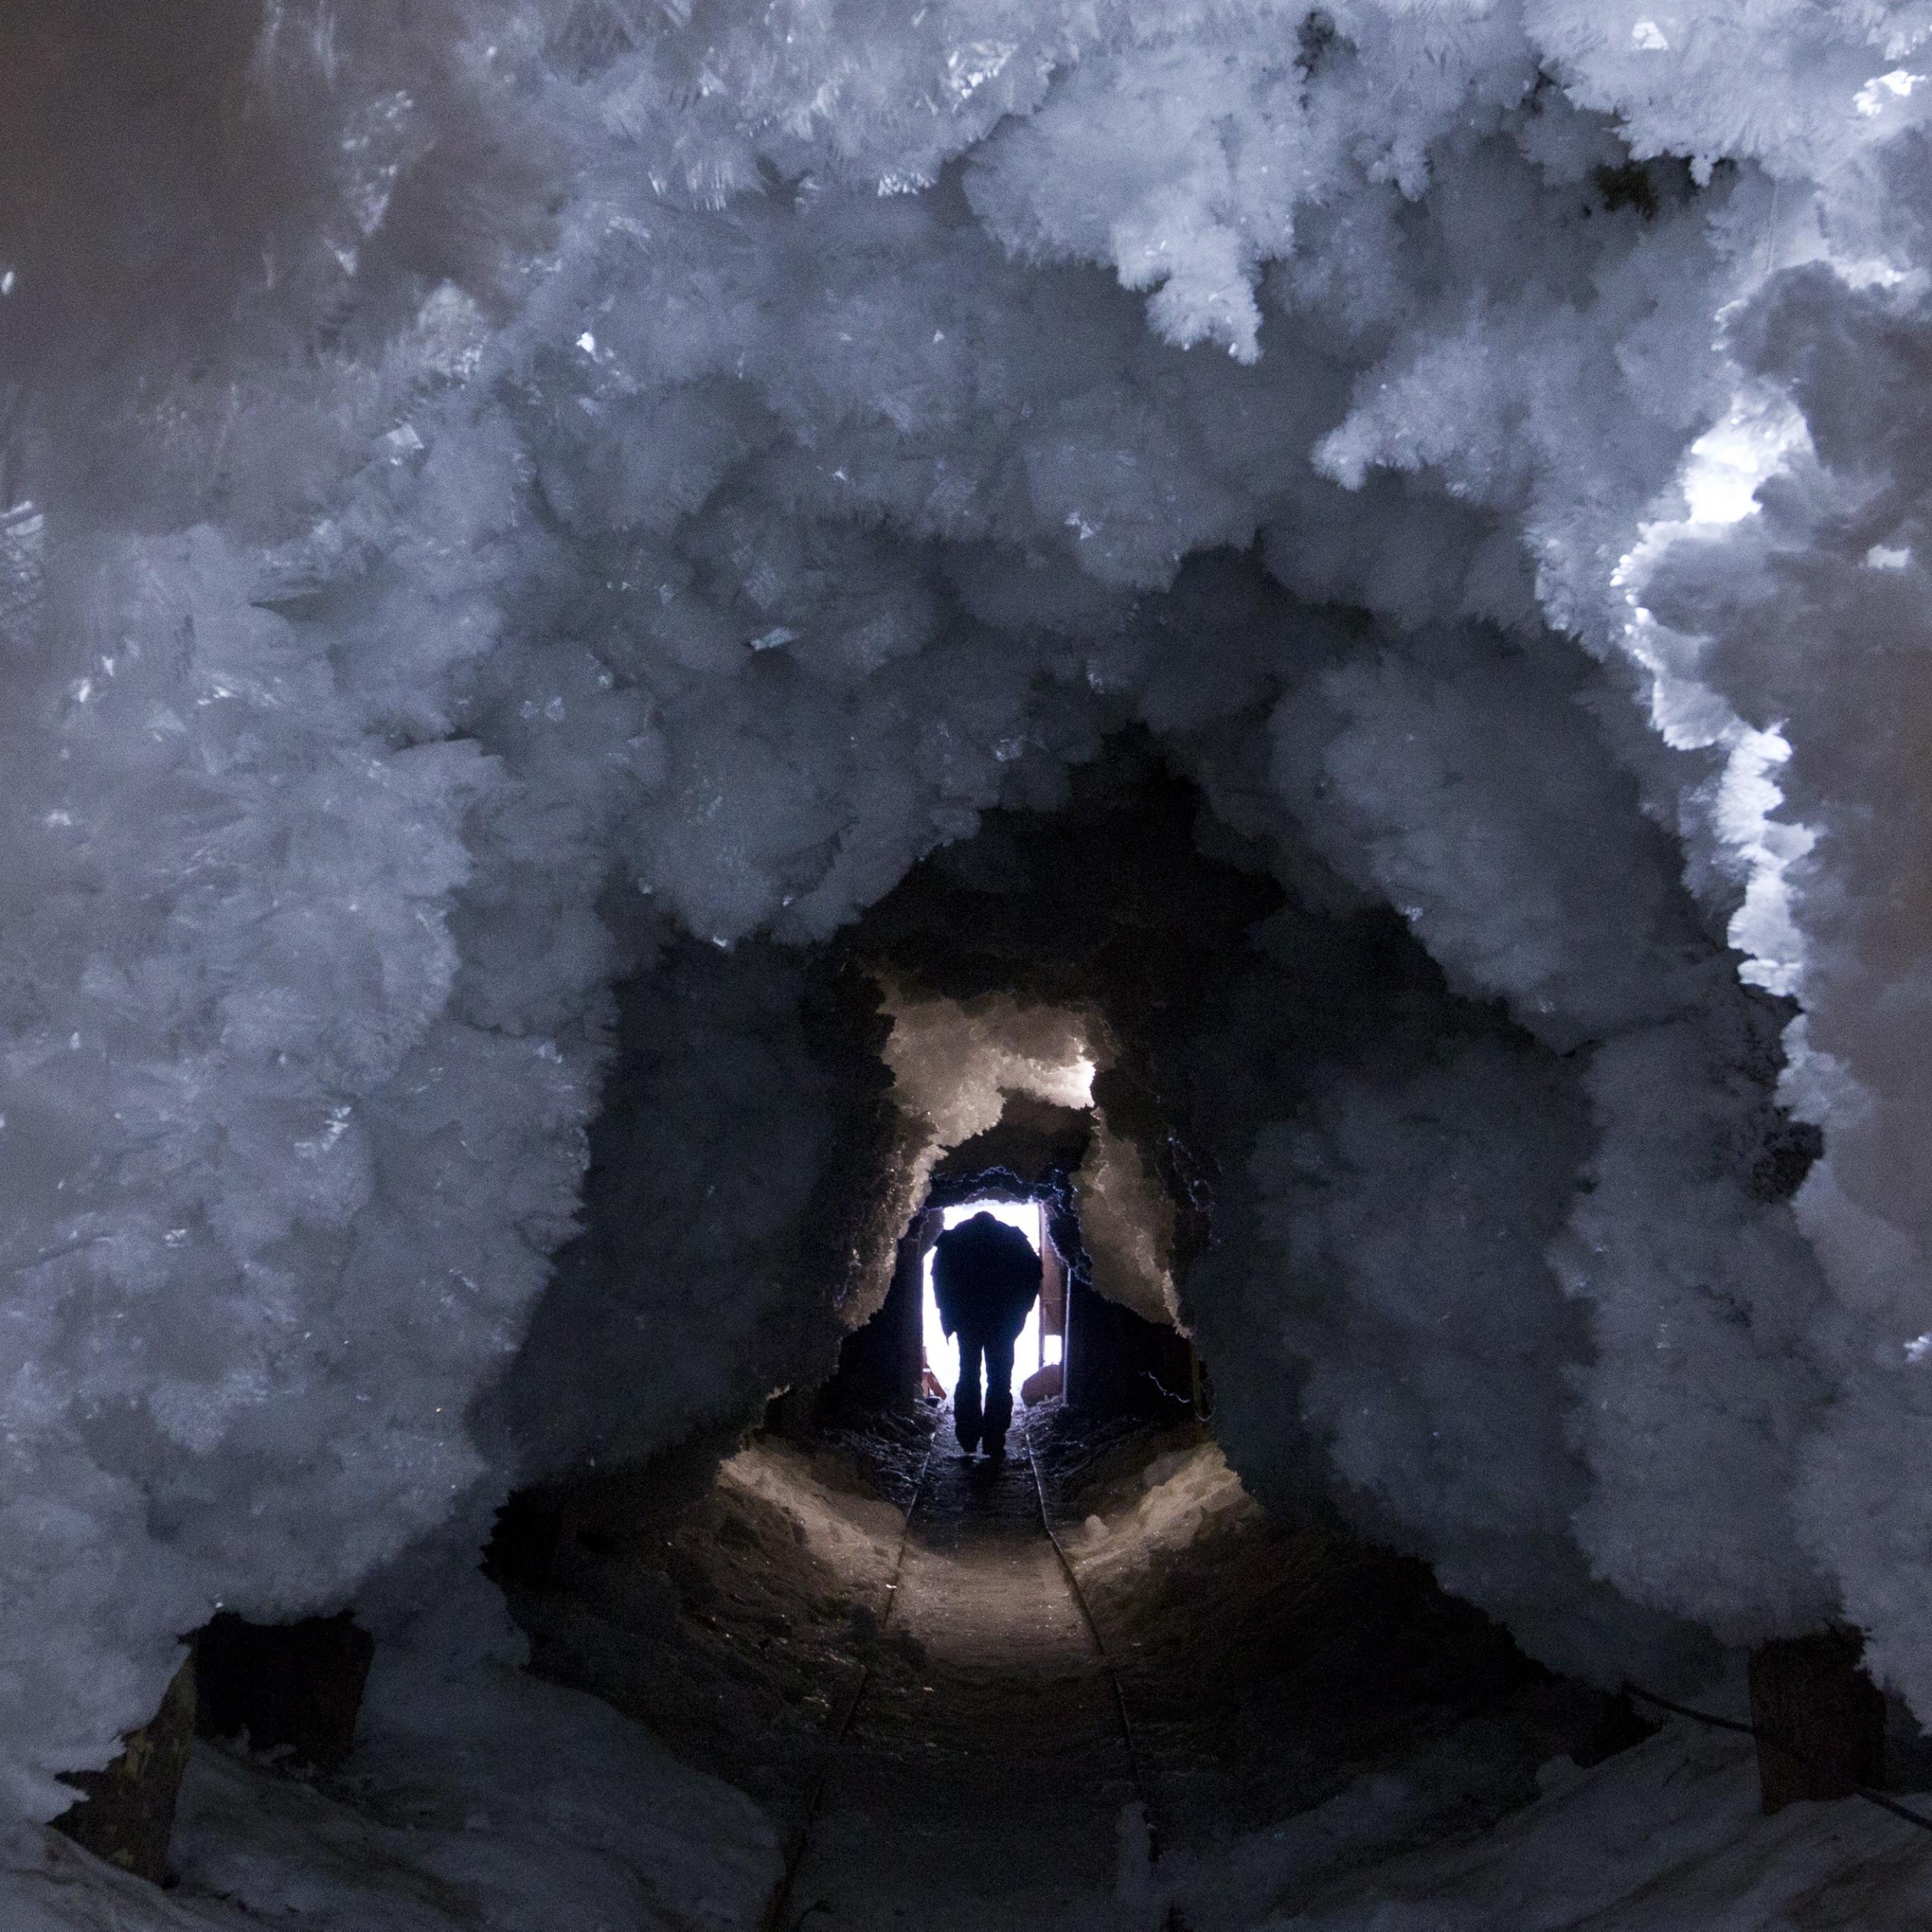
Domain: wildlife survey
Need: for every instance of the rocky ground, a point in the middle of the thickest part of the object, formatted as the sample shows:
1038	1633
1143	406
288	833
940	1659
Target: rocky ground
734	1622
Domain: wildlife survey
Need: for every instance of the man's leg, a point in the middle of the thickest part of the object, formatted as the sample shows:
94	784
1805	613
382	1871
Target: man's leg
999	1393
966	1397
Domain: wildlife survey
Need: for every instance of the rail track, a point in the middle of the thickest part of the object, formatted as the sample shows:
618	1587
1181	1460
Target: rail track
998	1640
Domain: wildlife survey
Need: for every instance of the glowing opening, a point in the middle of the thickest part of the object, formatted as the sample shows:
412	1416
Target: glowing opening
1029	1353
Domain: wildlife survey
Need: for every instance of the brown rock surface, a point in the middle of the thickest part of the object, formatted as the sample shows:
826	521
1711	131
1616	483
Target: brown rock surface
129	1809
1820	1721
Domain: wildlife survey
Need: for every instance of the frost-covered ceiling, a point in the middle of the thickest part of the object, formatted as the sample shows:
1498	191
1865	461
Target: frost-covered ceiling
501	495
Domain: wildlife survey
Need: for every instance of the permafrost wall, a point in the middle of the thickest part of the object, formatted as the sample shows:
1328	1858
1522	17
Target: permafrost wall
498	497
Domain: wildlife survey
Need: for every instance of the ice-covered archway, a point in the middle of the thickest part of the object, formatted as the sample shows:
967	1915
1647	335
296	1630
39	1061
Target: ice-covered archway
524	526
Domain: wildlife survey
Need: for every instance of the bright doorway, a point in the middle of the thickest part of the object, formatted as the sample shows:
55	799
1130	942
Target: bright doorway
942	1354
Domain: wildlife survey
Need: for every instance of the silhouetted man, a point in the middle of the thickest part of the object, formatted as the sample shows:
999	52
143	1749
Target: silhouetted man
984	1276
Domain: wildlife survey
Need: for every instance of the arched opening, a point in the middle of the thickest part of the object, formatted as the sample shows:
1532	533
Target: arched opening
1044	985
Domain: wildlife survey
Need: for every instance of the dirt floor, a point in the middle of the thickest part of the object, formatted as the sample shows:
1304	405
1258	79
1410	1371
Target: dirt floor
984	1779
928	1717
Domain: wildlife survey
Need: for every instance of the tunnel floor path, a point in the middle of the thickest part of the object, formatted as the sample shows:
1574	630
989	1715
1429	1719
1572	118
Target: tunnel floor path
984	1782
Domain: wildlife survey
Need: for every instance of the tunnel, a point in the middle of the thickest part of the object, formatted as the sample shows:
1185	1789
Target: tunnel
659	650
1084	1668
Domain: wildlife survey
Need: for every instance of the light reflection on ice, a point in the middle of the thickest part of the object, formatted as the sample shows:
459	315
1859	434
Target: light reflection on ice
1731	459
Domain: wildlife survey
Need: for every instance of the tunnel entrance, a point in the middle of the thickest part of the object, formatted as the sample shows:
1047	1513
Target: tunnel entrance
1040	1338
1057	1016
1077	1345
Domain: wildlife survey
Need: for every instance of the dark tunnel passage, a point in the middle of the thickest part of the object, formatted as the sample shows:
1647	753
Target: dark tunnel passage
778	1618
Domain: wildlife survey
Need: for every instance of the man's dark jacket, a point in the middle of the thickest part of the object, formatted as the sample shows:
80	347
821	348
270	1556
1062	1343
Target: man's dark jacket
984	1276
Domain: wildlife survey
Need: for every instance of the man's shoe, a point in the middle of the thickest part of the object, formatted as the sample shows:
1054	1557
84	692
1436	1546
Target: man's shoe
996	1447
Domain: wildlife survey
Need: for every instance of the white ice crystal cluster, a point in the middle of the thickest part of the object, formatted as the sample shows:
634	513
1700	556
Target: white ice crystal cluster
497	488
954	1066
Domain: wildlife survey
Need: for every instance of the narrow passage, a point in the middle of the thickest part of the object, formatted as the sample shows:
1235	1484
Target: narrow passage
984	1782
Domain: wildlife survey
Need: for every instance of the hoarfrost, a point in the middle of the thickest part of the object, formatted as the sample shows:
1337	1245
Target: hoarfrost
409	430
